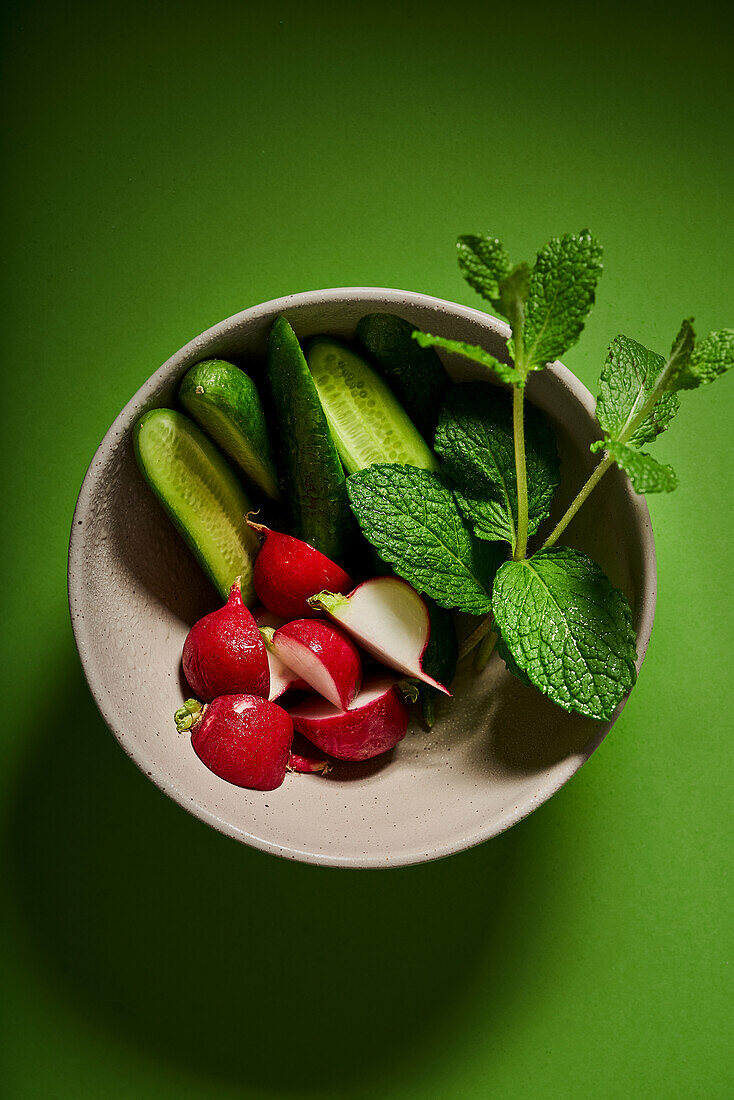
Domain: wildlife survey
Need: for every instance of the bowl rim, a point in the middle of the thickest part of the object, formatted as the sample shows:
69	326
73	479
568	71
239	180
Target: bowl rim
85	643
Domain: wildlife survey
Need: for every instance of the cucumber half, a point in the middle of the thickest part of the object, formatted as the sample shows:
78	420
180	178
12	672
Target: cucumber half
224	401
201	495
367	421
313	477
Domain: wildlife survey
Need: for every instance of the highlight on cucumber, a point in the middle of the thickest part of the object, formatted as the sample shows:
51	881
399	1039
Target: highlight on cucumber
368	523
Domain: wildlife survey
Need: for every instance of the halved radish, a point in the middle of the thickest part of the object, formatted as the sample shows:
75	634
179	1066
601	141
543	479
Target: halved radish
376	721
322	655
389	619
282	679
287	571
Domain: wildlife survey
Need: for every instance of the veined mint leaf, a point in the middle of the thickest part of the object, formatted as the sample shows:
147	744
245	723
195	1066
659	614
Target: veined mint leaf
503	371
561	293
412	520
567	629
514	290
645	472
484	263
711	357
475	439
629	375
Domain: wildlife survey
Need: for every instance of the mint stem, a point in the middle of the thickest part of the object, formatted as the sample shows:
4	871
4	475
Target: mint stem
485	650
472	640
518	424
578	500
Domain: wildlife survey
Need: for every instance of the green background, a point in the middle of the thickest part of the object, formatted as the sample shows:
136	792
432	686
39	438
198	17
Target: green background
167	165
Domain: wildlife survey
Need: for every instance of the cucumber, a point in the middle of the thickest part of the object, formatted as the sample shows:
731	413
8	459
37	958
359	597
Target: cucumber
415	374
440	658
201	495
313	478
366	419
224	401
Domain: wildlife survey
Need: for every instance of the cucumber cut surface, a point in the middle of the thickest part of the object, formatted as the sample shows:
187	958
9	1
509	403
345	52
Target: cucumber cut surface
415	374
201	495
366	419
224	401
313	478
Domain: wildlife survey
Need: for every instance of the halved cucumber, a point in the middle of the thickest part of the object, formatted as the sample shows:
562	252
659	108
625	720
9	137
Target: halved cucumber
201	495
224	401
368	423
313	478
415	374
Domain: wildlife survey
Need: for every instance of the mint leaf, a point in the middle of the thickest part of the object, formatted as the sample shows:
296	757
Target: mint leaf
470	351
645	472
710	358
567	629
514	290
412	520
475	439
629	375
484	263
561	293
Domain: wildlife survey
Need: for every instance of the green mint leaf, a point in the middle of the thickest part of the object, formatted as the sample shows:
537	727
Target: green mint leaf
645	472
709	358
503	371
567	629
475	439
412	520
484	263
629	376
514	290
561	293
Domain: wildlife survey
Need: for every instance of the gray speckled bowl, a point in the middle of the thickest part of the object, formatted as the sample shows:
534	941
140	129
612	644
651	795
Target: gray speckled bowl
498	749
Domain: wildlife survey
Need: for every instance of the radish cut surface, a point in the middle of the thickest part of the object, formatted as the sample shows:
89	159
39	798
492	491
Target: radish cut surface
323	656
375	723
388	618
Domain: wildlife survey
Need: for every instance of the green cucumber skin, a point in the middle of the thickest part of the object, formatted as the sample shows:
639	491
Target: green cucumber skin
416	374
224	401
313	478
440	658
365	441
192	525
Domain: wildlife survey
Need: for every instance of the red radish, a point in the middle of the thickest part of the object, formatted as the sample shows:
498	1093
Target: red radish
322	655
305	759
288	571
388	619
224	654
241	738
282	679
376	721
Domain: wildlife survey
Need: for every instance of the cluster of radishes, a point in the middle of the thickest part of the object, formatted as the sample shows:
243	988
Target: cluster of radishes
238	664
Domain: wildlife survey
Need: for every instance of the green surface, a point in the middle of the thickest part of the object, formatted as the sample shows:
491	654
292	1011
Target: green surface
166	165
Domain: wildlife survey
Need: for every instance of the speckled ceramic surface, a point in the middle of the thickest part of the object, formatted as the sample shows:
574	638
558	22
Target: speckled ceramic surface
497	751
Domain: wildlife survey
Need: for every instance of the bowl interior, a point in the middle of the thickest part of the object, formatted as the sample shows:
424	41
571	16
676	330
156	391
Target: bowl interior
498	749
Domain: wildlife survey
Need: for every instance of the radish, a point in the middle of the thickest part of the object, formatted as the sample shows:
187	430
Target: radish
282	679
243	739
322	655
224	654
376	721
389	619
288	571
305	759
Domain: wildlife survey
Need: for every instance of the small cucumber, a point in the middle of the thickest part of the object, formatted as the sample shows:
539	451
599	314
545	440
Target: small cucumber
415	374
201	495
366	419
224	401
314	482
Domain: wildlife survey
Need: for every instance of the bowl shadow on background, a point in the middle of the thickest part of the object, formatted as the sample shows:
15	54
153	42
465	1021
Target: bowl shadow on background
232	963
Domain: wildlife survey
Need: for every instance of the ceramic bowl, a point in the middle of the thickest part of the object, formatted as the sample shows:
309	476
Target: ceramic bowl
497	751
